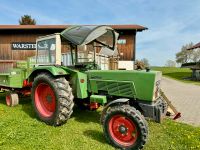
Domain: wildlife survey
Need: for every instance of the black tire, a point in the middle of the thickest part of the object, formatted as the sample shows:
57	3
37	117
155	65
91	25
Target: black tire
63	99
12	99
129	113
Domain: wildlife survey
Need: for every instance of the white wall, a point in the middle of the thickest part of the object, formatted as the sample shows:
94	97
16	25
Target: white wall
128	65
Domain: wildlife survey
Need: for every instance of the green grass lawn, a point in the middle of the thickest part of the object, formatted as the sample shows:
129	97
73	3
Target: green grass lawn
19	129
177	73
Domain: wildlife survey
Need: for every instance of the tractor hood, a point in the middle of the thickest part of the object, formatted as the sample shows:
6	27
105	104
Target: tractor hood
82	35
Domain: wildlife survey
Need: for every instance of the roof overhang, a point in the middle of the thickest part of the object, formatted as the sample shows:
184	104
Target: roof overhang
195	46
137	28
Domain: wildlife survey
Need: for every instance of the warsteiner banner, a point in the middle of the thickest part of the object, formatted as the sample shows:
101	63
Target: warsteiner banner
23	46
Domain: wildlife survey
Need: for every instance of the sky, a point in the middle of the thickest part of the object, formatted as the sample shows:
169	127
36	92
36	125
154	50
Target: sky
171	23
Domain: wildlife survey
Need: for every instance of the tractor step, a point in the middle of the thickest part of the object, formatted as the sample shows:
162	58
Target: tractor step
101	99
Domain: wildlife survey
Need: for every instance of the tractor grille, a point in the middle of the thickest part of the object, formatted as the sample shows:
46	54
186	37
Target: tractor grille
125	89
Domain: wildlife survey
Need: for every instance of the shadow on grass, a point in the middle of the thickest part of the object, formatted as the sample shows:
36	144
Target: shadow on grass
22	100
86	116
25	102
83	116
2	98
27	106
95	135
179	75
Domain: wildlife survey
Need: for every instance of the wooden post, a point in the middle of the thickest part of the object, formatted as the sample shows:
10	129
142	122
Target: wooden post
113	65
177	114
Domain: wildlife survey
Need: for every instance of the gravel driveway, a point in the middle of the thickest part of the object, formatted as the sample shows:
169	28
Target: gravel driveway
185	97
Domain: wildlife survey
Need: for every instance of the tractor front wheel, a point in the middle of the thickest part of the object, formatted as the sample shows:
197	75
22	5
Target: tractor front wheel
125	127
52	99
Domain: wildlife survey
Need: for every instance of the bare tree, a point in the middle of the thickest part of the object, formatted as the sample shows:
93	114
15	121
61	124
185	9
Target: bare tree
196	55
145	61
170	63
139	65
184	55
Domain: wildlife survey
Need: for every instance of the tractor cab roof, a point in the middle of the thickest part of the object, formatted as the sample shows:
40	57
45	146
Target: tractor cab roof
82	35
103	35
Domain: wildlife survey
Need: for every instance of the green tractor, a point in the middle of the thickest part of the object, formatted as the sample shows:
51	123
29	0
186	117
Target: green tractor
73	67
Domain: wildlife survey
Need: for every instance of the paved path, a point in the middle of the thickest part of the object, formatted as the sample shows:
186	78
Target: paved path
185	97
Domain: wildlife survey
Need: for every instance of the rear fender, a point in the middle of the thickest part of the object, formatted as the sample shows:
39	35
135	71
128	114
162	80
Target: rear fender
77	79
53	70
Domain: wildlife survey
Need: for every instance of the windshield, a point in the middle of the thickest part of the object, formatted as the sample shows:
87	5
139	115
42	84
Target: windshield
85	53
91	52
106	39
46	51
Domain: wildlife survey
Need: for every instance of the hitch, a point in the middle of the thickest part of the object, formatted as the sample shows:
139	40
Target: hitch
177	113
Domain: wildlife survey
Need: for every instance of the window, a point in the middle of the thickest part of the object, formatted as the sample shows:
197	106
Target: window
107	39
121	41
46	51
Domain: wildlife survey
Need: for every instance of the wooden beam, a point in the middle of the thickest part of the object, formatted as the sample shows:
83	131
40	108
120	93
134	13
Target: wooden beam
9	61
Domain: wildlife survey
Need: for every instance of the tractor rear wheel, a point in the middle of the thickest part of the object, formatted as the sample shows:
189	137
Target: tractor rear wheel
125	128
52	99
12	99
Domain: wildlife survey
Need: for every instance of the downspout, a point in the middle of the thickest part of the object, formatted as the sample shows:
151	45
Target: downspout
76	54
134	49
71	50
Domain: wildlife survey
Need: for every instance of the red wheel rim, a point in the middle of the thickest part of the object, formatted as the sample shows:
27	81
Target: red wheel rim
45	100
123	130
8	100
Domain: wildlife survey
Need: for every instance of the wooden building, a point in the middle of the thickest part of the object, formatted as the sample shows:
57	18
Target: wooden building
25	35
194	66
